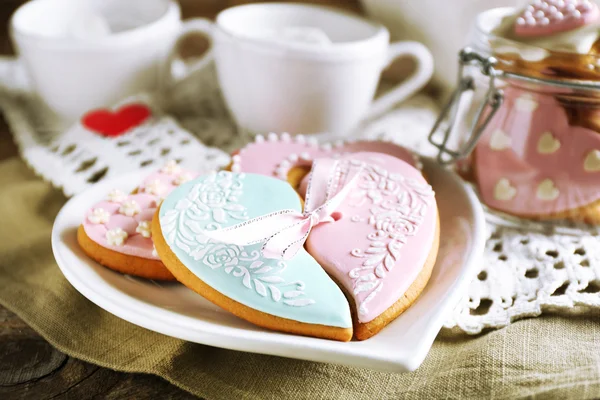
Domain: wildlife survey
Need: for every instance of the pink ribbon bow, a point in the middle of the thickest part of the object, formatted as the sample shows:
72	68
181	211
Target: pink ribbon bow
284	232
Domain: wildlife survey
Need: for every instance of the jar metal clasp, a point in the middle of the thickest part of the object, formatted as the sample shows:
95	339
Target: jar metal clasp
449	115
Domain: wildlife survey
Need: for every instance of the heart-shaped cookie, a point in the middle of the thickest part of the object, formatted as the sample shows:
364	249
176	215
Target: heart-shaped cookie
115	123
116	232
279	155
383	243
294	296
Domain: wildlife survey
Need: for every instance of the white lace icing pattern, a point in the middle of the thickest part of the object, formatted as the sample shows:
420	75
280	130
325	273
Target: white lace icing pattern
398	208
213	202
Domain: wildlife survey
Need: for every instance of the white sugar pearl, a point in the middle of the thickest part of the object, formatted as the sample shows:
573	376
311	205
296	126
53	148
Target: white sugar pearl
530	9
576	14
520	21
553	9
558	16
539	14
544	5
560	4
528	14
531	21
545	21
570	7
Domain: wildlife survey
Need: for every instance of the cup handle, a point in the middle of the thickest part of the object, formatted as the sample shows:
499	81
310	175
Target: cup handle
195	25
412	84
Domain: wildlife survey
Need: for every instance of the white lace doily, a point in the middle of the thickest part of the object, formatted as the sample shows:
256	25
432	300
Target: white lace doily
73	158
522	274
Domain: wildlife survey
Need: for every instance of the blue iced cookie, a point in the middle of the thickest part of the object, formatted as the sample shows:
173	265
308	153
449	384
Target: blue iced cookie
295	296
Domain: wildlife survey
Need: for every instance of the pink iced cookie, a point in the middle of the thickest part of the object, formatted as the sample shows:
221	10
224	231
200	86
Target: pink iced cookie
531	162
122	223
549	17
163	181
383	244
116	232
276	155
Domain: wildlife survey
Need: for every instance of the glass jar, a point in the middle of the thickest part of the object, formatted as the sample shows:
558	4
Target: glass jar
524	126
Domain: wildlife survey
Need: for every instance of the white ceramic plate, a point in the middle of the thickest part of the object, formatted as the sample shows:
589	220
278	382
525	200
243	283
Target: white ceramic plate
174	310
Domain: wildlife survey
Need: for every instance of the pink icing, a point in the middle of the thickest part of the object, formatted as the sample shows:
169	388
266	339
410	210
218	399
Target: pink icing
135	244
168	180
396	257
276	155
548	17
521	162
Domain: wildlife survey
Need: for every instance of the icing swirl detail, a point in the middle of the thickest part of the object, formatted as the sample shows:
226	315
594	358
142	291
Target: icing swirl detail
210	203
398	209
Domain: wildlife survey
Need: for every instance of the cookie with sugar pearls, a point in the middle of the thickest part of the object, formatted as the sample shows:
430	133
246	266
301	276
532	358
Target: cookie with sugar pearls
116	232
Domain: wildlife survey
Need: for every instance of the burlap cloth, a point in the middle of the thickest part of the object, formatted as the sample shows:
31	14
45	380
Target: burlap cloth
552	356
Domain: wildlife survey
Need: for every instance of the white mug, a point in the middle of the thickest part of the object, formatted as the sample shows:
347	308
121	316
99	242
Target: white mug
307	69
84	54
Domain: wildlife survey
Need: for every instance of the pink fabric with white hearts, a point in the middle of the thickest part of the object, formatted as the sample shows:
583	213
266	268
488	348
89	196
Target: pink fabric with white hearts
548	17
383	236
530	161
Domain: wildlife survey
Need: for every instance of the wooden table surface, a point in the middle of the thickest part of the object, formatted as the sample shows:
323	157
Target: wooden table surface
30	368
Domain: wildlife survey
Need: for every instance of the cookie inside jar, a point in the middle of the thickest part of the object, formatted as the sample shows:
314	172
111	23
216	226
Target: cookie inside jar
534	150
546	38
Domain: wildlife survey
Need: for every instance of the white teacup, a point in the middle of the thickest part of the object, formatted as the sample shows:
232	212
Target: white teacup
307	69
83	54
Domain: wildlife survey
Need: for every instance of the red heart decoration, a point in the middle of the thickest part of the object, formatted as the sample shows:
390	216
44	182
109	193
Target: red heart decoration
115	123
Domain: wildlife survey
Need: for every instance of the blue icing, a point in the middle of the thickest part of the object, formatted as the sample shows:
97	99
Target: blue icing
298	289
